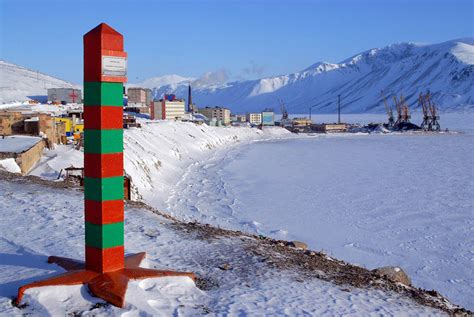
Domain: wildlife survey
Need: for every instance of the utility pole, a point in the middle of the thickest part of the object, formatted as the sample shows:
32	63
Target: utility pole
339	109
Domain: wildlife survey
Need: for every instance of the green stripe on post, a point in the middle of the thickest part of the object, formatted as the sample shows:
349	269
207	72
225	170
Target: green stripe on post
103	94
103	141
100	189
105	236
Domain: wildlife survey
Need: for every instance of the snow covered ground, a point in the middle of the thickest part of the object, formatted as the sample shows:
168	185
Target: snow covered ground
38	221
375	200
370	199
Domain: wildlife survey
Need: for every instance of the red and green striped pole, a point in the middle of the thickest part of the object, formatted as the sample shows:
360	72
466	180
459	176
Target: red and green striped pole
106	271
104	75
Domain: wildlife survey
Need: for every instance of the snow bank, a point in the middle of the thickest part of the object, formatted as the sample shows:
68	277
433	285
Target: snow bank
157	155
9	165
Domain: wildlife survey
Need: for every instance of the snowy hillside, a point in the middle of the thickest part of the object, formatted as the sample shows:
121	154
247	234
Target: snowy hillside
19	83
446	69
158	153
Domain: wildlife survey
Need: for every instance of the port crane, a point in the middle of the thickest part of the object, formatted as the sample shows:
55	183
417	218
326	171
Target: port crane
422	101
399	110
389	111
434	124
284	112
405	110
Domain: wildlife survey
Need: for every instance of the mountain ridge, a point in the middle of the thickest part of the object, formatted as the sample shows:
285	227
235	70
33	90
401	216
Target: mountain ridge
446	69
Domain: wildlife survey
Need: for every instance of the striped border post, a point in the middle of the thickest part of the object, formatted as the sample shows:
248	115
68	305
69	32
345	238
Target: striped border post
104	75
106	271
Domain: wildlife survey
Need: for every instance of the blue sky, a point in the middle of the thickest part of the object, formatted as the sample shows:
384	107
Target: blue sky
233	39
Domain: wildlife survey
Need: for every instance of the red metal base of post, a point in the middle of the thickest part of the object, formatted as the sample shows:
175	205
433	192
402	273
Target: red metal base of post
110	286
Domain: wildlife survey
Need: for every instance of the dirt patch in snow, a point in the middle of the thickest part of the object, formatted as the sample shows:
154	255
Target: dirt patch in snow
306	264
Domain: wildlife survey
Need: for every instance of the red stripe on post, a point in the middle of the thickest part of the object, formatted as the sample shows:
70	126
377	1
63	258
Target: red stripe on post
103	117
103	165
104	212
105	260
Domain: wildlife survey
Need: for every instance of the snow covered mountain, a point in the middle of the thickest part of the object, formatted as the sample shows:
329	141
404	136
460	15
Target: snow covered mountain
19	83
166	80
446	69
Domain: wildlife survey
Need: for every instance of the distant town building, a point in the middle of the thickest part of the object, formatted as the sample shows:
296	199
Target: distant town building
140	96
329	127
64	95
254	118
139	100
238	118
168	108
268	117
220	114
301	122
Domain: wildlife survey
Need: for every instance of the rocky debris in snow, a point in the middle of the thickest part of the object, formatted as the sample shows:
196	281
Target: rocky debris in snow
225	267
206	283
394	274
30	179
297	245
306	264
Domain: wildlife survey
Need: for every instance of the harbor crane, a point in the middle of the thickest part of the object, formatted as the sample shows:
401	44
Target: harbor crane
389	111
422	101
434	124
399	110
405	110
284	112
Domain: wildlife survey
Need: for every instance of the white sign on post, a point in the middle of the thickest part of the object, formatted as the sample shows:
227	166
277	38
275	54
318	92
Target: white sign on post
114	66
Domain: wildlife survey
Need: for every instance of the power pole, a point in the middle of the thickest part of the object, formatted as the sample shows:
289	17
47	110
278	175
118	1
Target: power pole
338	109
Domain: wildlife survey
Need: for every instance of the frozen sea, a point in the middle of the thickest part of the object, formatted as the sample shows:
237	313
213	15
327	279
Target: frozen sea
372	200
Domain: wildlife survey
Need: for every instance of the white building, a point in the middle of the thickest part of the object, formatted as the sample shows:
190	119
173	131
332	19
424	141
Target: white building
64	95
254	118
166	109
222	115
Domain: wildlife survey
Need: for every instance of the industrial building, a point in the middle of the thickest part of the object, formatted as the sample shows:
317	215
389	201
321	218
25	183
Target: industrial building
329	127
168	108
301	122
220	114
71	125
64	95
254	118
268	117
